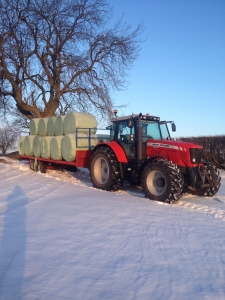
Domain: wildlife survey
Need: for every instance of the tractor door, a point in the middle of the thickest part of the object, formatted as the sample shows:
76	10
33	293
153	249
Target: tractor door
126	138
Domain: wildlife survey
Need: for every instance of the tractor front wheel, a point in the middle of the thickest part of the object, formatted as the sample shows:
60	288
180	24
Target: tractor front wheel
162	181
210	190
104	170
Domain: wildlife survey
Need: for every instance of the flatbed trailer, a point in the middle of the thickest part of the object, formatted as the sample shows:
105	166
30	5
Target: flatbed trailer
41	164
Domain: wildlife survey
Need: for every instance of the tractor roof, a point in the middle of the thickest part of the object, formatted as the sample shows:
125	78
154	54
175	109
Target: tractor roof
136	116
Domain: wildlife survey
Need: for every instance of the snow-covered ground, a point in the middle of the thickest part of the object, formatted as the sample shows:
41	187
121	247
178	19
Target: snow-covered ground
62	239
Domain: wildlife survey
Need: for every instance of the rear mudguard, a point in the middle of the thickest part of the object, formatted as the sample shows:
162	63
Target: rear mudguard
117	149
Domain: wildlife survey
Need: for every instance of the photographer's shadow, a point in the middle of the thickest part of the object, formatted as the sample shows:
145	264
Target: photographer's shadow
13	245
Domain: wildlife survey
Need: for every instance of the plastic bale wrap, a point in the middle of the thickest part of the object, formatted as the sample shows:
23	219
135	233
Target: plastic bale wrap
21	145
37	145
45	146
50	126
75	120
42	126
56	148
58	126
69	145
28	145
34	126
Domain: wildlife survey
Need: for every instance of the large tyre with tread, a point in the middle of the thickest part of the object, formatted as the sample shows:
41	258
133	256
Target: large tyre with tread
162	181
208	191
105	170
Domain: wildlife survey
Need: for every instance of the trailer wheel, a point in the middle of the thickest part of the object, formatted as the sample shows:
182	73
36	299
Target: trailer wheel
105	170
33	167
42	166
162	181
208	191
32	164
71	169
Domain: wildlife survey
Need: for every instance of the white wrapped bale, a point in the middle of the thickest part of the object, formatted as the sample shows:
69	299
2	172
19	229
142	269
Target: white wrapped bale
37	146
50	126
21	145
45	146
70	145
28	145
56	148
42	126
34	126
58	126
80	120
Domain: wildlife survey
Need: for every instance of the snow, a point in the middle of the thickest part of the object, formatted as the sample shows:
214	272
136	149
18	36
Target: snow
62	239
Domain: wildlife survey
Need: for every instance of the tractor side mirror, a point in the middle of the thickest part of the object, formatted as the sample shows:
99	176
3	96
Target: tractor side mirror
173	127
130	123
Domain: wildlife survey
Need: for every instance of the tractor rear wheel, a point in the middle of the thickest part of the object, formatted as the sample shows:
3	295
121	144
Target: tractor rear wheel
162	181
208	191
105	170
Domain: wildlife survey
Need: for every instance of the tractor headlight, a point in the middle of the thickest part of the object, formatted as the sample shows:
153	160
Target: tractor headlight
196	155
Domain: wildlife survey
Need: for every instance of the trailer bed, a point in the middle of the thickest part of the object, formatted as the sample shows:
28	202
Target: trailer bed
82	159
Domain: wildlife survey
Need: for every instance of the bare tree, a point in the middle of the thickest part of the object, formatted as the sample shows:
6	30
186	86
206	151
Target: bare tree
61	55
8	138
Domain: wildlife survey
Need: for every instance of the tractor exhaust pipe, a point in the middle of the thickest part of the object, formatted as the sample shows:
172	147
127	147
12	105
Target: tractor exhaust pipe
139	141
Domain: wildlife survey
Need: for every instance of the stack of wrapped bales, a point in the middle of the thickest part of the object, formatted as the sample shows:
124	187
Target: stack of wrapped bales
58	138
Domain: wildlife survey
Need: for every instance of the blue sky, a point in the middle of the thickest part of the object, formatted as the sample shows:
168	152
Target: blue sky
180	74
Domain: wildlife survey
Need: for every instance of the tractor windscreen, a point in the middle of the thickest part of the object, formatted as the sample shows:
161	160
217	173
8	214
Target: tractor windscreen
155	130
165	131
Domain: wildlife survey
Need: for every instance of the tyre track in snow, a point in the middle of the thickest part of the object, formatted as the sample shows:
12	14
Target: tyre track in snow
203	209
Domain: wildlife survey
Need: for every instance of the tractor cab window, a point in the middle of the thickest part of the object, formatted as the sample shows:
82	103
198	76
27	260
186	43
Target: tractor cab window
112	129
150	130
164	131
125	133
126	137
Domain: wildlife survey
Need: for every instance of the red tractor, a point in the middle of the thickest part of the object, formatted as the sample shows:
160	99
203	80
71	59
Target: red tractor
141	151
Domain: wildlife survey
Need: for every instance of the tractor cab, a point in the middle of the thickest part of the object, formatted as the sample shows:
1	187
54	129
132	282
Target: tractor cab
132	133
